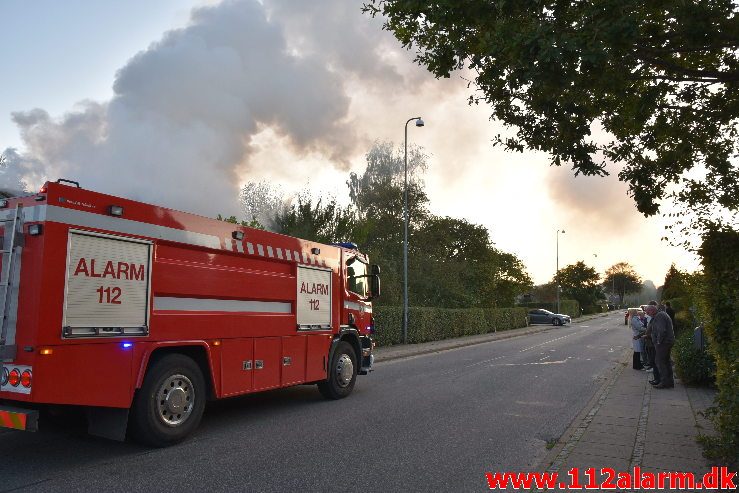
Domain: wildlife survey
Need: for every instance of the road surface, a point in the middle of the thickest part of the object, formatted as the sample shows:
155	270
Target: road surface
431	422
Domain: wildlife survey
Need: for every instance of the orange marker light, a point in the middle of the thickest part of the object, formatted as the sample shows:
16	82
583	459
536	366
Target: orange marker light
45	351
216	343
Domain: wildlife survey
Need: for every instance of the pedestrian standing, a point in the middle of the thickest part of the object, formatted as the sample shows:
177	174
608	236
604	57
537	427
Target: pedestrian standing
671	312
663	337
636	342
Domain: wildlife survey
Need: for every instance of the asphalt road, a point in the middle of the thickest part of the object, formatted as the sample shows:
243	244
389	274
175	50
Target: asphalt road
431	422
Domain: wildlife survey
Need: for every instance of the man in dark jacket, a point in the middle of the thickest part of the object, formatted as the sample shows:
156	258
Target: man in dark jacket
671	312
663	337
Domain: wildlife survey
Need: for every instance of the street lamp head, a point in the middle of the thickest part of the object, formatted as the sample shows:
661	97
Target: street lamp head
419	122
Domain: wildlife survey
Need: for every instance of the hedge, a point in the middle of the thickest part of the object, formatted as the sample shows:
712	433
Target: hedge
567	307
720	258
591	309
693	365
432	324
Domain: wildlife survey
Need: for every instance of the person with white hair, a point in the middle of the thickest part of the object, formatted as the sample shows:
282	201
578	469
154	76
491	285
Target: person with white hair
637	328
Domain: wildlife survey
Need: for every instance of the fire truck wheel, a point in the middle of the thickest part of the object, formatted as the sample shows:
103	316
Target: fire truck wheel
342	373
170	403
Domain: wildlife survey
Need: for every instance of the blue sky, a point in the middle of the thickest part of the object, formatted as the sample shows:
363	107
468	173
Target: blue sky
56	53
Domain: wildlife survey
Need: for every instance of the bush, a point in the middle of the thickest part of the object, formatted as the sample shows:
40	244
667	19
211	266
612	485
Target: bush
684	322
693	366
591	309
679	304
720	258
567	307
432	324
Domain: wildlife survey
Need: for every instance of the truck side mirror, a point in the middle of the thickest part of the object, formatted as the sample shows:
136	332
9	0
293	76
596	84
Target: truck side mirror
376	270
374	286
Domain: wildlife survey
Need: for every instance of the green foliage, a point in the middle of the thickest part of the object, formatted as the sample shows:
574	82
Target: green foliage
432	324
659	77
720	254
684	321
693	366
580	282
455	265
234	220
567	307
622	279
322	220
675	284
451	263
592	309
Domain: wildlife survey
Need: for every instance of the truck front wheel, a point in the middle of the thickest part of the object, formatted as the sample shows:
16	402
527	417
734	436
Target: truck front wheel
170	403
342	373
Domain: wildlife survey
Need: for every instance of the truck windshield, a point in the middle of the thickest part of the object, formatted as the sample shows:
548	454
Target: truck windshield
356	276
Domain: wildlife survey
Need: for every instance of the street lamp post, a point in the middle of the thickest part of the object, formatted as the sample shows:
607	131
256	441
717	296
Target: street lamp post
557	274
419	123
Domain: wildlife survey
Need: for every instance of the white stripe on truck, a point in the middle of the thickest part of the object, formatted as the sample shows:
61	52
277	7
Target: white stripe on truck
164	303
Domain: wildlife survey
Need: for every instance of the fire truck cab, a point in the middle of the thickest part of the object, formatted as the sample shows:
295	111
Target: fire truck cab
141	313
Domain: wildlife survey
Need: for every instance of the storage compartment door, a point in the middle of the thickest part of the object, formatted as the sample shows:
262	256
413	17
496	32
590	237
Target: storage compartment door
237	366
316	358
313	298
267	362
107	286
293	359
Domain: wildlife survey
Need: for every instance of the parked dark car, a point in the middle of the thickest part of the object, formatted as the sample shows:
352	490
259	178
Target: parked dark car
540	316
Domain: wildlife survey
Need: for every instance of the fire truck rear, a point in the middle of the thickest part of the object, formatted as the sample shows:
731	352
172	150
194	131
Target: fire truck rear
141	314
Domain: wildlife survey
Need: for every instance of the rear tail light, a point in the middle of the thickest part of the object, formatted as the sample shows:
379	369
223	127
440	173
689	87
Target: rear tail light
26	379
14	377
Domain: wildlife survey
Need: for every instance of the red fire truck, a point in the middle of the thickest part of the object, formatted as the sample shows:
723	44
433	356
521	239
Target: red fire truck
141	313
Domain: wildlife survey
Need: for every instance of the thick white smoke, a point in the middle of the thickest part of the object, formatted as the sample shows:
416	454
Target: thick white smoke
178	128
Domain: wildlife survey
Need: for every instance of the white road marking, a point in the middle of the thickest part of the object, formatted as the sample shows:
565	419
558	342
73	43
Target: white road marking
532	363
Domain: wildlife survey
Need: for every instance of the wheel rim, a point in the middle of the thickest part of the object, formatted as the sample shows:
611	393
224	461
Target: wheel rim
344	370
175	400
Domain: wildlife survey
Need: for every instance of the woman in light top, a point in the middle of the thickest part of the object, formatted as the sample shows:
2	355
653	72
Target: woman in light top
637	329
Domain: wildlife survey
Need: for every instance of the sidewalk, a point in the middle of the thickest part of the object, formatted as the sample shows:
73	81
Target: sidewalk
628	424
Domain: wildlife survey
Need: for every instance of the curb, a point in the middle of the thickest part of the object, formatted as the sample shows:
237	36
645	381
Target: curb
410	350
571	437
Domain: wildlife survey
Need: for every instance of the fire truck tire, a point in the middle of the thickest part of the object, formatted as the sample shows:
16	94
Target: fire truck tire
170	403
342	373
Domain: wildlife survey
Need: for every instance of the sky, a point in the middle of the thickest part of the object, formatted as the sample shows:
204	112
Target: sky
182	102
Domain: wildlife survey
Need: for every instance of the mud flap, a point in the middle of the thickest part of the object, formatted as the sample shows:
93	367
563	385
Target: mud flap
107	422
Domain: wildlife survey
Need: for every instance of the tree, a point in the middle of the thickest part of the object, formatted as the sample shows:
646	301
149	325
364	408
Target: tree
675	285
621	279
660	77
580	282
262	202
322	220
544	293
457	266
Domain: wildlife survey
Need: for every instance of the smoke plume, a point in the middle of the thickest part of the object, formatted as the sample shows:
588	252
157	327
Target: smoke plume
184	111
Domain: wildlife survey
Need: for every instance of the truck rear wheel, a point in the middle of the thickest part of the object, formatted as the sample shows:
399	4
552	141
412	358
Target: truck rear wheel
170	403
342	373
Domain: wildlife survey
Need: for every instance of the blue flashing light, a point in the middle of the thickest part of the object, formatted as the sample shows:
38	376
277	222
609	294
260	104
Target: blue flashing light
126	345
346	244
